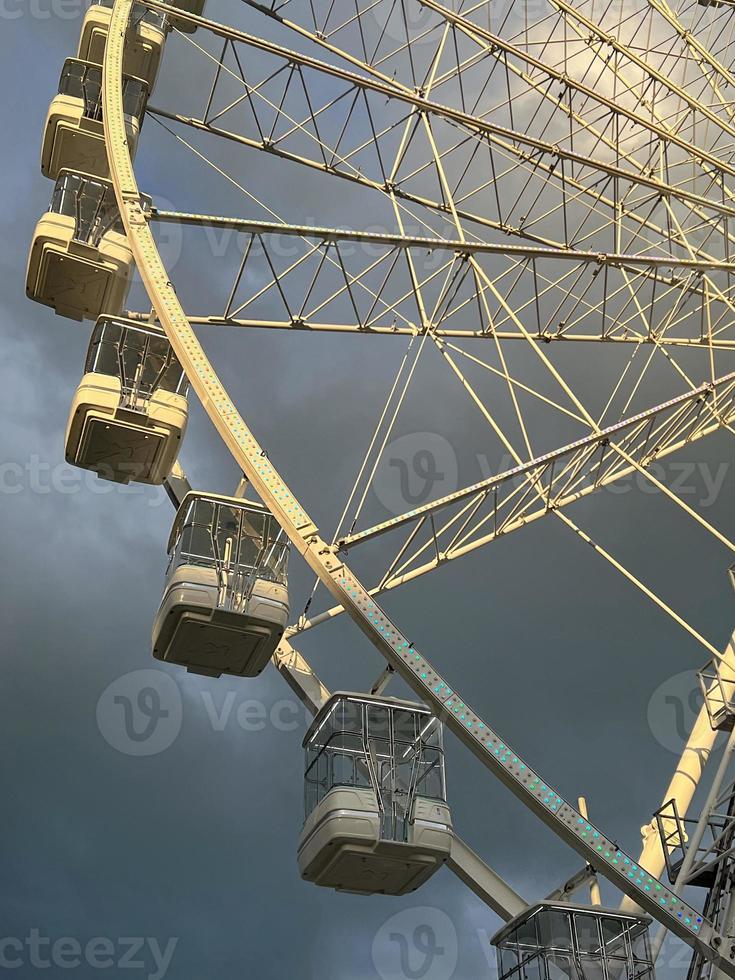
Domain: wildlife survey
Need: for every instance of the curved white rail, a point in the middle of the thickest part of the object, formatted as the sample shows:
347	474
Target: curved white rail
598	849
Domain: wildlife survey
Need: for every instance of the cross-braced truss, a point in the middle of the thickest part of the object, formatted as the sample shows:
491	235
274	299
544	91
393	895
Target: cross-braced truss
563	172
560	177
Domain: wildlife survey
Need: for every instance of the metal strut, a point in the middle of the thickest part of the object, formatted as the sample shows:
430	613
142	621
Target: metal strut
468	866
597	848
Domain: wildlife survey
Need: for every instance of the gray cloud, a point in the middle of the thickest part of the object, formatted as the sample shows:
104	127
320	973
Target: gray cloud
198	842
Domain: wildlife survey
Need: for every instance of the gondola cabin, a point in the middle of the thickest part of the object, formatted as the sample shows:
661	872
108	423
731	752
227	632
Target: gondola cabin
80	262
225	603
377	820
129	413
143	48
560	941
74	136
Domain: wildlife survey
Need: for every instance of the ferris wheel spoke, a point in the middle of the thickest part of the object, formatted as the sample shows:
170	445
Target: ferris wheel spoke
590	105
561	293
700	57
611	49
709	30
389	329
276	281
581	468
585	106
625	326
602	208
532	343
331	46
620	451
647	83
558	480
541	164
469	246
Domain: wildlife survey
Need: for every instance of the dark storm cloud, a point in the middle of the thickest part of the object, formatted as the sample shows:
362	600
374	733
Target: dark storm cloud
197	843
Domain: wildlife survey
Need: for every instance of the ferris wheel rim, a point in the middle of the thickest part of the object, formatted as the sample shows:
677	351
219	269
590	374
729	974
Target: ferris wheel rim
322	557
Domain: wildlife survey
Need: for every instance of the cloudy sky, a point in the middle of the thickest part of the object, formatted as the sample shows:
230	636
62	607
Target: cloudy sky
183	861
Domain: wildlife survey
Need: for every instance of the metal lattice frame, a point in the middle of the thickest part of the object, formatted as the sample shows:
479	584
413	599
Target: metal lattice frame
706	407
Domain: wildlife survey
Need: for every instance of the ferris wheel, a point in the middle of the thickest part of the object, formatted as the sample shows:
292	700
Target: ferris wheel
541	199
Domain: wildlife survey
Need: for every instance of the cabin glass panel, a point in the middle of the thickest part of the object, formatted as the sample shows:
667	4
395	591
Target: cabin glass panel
567	943
396	751
140	357
91	203
82	80
248	541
